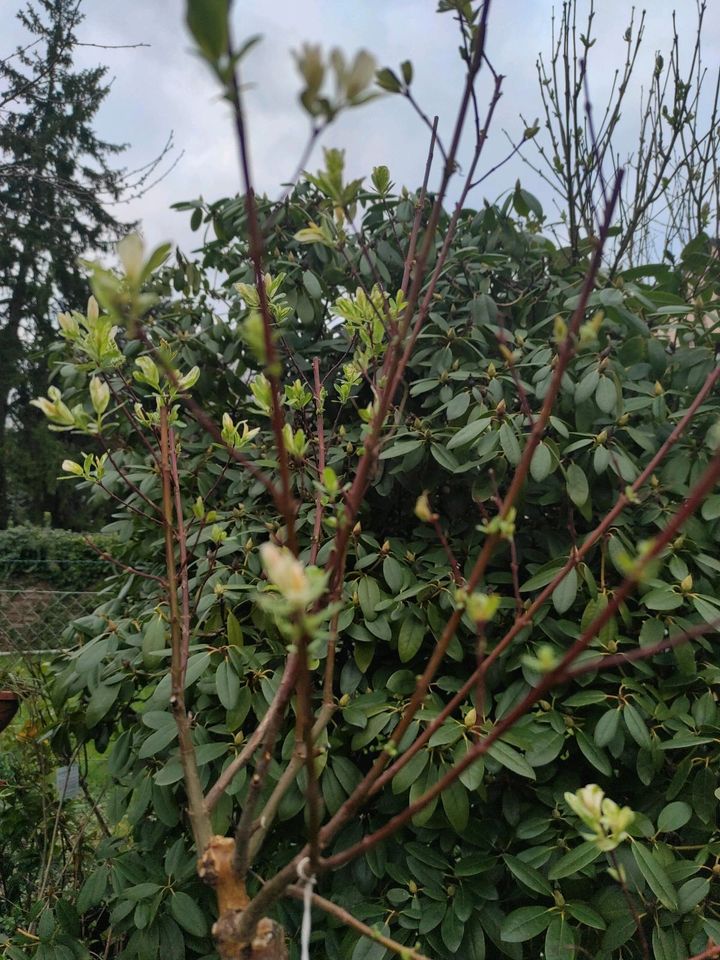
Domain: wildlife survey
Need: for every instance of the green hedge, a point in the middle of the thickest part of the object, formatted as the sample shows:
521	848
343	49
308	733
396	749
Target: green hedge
59	558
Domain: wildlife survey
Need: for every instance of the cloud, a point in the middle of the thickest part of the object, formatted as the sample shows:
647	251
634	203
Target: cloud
165	87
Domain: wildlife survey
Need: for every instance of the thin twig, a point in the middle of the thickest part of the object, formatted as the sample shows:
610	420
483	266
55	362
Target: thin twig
419	207
123	566
344	916
288	504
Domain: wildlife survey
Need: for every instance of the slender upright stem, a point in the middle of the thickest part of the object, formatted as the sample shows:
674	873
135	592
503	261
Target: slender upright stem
199	819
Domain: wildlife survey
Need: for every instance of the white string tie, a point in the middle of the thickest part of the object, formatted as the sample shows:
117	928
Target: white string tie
308	882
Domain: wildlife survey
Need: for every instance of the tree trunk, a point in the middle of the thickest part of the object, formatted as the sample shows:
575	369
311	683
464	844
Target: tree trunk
10	353
216	868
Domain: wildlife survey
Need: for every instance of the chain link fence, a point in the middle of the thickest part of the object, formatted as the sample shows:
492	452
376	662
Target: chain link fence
41	592
32	619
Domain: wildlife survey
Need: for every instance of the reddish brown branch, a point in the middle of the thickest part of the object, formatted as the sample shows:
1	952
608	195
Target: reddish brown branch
124	566
182	549
272	717
457	575
406	953
199	820
711	951
419	207
288	505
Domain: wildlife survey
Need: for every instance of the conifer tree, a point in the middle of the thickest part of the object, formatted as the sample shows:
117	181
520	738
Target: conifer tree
57	179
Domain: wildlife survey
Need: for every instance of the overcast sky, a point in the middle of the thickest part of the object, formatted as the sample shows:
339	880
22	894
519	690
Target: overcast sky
164	88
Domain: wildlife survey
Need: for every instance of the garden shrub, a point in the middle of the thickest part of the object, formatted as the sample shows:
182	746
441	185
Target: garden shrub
495	863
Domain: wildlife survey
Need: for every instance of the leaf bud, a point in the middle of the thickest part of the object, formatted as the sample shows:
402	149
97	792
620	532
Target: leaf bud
423	510
99	395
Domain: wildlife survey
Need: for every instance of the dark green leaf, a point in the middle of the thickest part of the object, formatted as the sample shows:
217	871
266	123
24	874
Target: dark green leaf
574	861
188	914
655	875
559	940
524	924
207	21
674	816
577	485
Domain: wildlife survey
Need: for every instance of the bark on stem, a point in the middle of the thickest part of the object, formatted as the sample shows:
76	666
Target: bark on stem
199	820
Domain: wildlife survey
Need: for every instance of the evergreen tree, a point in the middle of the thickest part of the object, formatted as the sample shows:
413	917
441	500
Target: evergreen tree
56	179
